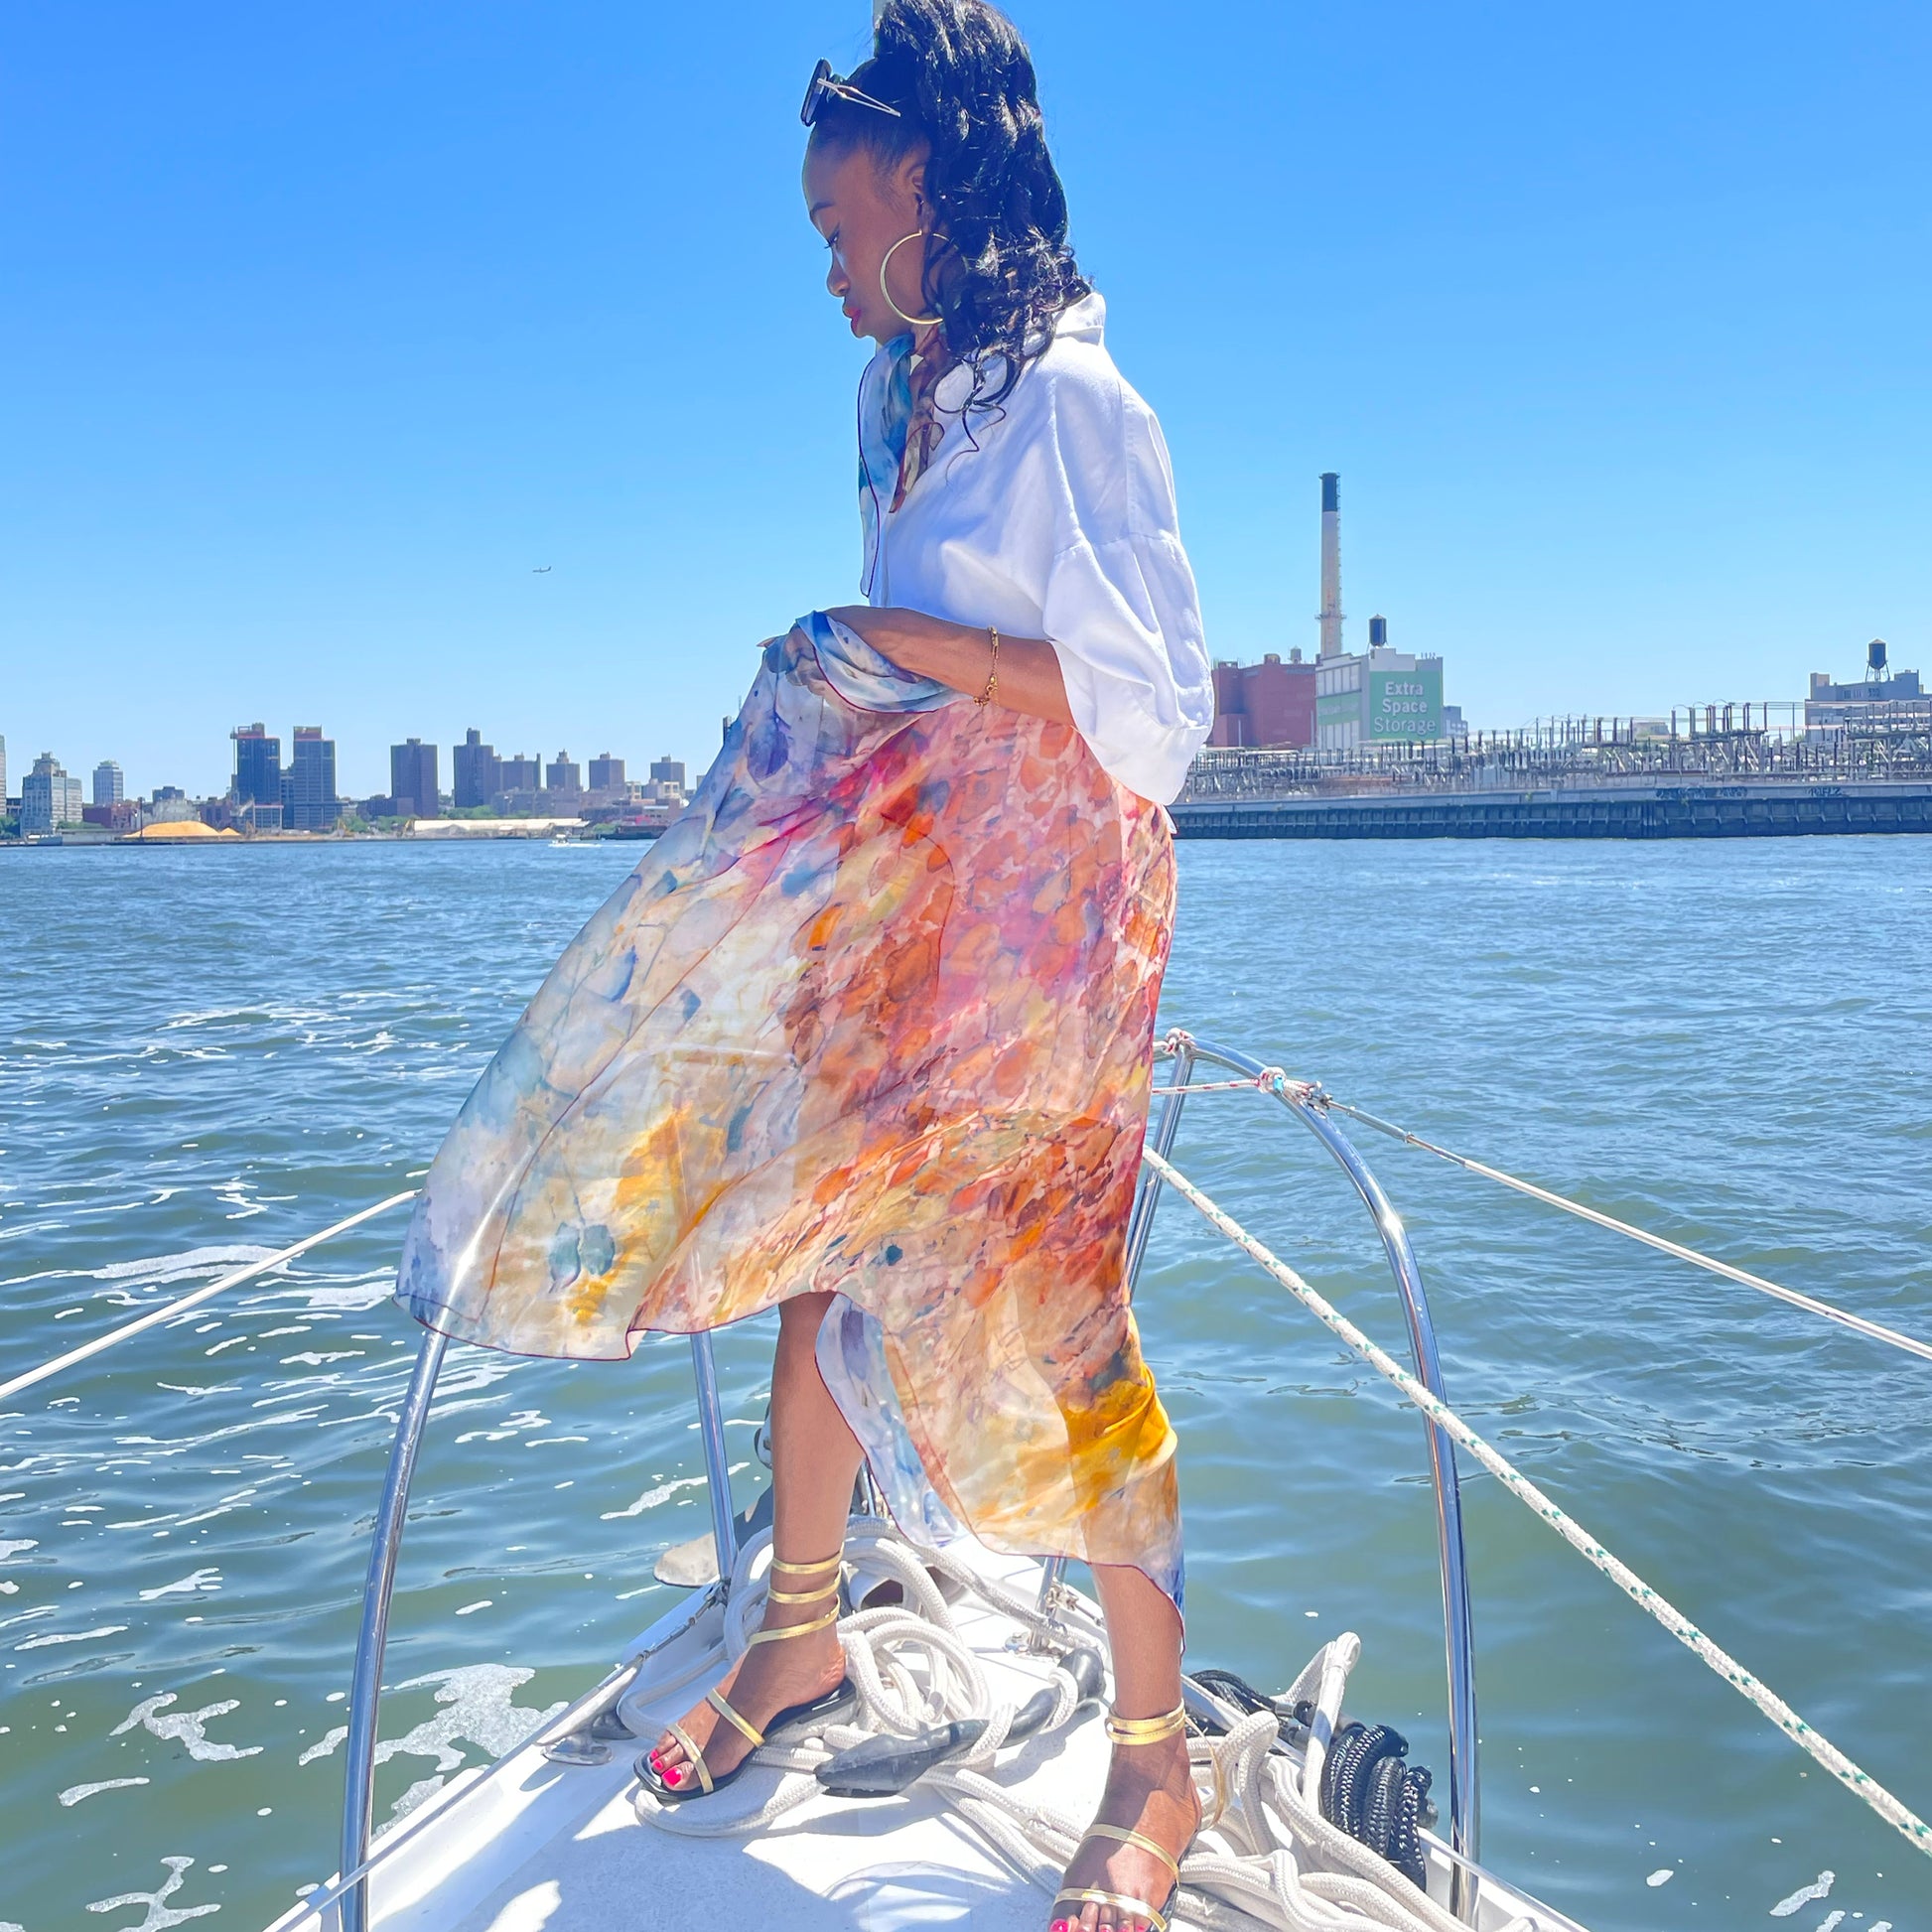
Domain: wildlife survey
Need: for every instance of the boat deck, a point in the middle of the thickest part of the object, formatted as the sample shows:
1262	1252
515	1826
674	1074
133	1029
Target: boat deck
534	1845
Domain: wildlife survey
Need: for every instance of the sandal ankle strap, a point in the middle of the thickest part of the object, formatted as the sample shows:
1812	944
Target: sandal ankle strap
780	1567
824	1622
803	1595
1146	1731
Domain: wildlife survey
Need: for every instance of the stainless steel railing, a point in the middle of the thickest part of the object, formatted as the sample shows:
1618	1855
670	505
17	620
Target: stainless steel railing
358	1777
718	1482
366	1685
1186	1053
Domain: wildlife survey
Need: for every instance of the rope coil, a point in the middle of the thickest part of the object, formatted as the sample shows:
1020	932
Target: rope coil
1267	1854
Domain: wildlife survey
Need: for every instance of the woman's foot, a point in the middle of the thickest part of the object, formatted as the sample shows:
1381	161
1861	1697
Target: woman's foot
1149	1791
770	1676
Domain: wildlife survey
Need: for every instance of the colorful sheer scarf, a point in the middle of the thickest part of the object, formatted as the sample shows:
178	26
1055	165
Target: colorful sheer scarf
900	427
873	1017
922	431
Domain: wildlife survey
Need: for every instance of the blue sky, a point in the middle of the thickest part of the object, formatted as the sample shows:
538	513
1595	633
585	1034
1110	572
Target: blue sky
323	327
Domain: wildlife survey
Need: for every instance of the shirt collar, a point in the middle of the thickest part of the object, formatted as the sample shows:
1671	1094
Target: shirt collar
1084	320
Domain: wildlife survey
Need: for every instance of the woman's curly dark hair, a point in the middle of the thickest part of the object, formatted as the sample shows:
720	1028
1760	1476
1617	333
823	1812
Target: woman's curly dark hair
963	81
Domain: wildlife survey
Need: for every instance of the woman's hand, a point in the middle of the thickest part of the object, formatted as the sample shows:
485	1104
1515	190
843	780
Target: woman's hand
961	655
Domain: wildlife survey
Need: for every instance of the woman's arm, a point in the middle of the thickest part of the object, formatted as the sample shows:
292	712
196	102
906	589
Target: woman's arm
961	655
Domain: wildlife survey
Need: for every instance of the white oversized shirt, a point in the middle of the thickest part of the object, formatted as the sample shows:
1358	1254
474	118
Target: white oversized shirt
1053	515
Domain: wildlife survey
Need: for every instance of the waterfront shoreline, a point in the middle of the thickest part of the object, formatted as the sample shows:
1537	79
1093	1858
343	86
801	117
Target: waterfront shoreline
1601	811
331	841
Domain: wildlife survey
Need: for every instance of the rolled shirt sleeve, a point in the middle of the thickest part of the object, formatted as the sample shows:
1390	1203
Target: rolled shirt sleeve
1120	607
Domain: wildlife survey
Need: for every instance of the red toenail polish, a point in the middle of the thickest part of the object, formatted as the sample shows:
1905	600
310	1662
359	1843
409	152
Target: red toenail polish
671	1777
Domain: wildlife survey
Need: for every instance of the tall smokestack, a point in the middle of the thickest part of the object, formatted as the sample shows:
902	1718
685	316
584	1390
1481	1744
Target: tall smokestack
1331	618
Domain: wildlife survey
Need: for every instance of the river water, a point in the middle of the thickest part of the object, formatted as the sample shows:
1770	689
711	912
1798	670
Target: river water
204	1054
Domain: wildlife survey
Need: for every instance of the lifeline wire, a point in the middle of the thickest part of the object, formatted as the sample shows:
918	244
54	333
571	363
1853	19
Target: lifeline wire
154	1316
1877	1331
1913	1828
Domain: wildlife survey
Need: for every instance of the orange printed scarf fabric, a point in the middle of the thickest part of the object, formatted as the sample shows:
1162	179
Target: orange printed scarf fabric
873	1017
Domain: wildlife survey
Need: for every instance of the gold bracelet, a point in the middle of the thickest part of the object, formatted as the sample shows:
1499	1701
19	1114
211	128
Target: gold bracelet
993	681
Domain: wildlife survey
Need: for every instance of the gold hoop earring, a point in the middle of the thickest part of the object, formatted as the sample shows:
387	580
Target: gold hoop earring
917	322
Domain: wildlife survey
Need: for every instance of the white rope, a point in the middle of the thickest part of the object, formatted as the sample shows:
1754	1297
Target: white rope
1895	1813
1269	1857
1248	1083
906	1660
1877	1331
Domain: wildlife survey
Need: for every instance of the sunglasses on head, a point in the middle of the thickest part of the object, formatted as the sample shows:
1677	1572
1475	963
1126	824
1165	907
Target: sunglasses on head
825	84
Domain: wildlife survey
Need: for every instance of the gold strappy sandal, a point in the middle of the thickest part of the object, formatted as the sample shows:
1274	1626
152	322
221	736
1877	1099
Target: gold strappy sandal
1133	1731
823	1707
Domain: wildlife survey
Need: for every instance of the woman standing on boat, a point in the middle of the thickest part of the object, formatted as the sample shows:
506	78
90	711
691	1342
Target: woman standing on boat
867	1036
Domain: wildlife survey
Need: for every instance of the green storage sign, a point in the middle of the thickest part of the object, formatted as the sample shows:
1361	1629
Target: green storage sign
1406	704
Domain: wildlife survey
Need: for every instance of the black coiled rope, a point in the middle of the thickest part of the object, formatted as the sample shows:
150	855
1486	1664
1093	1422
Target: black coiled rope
1373	1795
1368	1788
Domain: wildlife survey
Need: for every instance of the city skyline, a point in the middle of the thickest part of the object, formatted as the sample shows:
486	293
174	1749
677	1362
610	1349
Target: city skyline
264	794
1254	708
86	770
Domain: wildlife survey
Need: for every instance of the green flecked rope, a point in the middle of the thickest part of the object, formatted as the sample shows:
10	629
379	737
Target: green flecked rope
1875	1794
